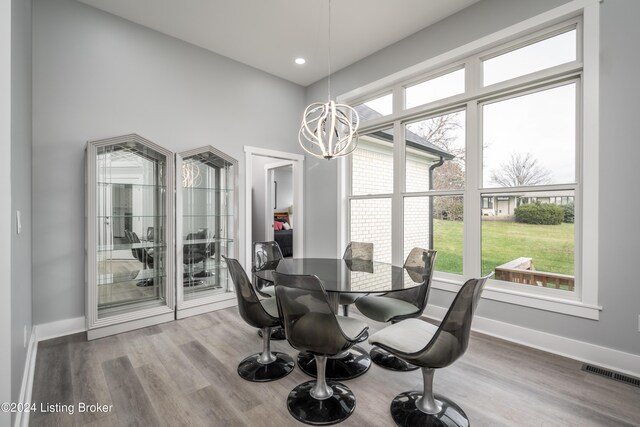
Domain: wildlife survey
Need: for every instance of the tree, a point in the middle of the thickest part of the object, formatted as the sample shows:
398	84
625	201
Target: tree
520	170
441	131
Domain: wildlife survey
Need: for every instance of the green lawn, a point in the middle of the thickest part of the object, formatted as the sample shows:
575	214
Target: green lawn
550	246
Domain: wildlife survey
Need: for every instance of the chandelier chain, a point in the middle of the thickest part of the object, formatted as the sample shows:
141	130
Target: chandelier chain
329	57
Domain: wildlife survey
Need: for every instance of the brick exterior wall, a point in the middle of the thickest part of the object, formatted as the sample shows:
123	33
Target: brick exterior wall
372	173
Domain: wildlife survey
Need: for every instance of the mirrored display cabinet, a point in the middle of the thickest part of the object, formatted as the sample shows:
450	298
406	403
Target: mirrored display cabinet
129	235
206	229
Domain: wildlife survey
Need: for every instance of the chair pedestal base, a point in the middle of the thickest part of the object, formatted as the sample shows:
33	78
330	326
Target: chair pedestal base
354	363
252	370
329	411
277	333
386	360
405	412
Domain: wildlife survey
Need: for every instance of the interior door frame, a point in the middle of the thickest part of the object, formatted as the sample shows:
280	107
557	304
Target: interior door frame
297	161
269	170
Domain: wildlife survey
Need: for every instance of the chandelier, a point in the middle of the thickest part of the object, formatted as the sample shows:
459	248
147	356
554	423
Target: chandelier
328	129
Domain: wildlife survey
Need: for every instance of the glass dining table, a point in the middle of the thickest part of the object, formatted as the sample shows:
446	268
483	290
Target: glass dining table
344	276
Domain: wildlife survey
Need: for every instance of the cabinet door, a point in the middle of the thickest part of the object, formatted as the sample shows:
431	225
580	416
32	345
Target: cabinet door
206	229
129	255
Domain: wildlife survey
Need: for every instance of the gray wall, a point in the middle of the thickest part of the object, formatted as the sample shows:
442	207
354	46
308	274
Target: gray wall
258	198
619	235
96	75
20	187
5	208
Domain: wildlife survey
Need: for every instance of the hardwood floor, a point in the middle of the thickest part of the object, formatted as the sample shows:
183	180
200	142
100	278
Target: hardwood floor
183	373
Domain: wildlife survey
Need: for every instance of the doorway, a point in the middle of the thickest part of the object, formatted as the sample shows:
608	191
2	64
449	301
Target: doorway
274	197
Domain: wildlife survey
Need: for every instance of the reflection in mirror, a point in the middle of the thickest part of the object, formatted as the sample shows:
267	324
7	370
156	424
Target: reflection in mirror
207	206
131	192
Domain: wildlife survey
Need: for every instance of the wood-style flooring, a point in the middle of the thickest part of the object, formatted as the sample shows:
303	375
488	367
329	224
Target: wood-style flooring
183	373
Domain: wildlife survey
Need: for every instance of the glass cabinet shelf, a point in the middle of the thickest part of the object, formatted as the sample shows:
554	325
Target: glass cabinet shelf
123	185
207	190
208	216
126	246
161	217
128	276
211	240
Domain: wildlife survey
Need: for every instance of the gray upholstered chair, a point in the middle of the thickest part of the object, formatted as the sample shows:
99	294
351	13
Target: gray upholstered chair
311	326
262	314
360	252
399	305
266	256
432	347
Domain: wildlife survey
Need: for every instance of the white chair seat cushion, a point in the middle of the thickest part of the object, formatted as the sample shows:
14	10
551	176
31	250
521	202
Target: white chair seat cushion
384	309
407	336
270	305
351	327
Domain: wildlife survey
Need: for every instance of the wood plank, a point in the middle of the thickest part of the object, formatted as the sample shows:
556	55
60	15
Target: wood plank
181	370
89	383
53	385
130	401
222	375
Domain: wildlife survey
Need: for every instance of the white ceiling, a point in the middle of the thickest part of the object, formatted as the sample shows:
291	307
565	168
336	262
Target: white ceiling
270	34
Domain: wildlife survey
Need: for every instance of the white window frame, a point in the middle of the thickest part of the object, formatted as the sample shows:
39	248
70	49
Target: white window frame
583	302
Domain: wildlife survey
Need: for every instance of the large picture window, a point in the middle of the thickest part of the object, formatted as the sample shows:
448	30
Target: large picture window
481	161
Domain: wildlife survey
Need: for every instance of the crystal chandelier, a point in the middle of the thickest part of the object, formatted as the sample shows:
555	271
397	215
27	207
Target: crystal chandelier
328	129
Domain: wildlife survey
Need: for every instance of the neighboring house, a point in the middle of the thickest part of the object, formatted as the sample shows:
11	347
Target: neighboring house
504	205
375	152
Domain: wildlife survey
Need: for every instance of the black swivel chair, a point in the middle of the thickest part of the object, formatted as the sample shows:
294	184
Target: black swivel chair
431	347
263	314
193	254
141	254
358	252
399	305
312	326
266	256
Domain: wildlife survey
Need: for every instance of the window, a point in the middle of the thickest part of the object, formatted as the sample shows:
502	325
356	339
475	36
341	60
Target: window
435	153
375	108
530	139
533	57
435	89
372	176
487	203
499	134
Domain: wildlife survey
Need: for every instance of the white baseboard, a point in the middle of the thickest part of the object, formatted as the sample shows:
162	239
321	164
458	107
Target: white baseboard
22	417
46	331
579	350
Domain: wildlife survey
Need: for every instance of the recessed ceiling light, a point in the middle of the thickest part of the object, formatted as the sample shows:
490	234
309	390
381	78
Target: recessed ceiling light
300	61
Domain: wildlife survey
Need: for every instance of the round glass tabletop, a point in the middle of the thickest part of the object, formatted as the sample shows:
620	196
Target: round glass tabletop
340	275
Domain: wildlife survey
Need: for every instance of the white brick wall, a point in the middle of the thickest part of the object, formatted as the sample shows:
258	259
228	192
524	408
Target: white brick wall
371	220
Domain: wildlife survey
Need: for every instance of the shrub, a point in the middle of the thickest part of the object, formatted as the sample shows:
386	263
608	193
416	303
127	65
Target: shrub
569	213
540	213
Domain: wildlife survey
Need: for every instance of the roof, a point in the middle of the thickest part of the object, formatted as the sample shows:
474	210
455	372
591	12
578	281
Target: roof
412	139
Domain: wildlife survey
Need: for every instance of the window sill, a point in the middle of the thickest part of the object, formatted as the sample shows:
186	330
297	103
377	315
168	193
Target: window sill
541	302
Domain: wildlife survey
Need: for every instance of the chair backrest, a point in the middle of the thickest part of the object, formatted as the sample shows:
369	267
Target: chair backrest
197	252
309	321
266	255
248	303
452	337
419	265
129	238
358	250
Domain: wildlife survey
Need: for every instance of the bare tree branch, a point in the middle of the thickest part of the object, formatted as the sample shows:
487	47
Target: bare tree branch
520	170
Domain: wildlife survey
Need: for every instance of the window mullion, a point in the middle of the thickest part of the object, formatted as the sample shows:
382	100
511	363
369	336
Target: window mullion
397	209
472	204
